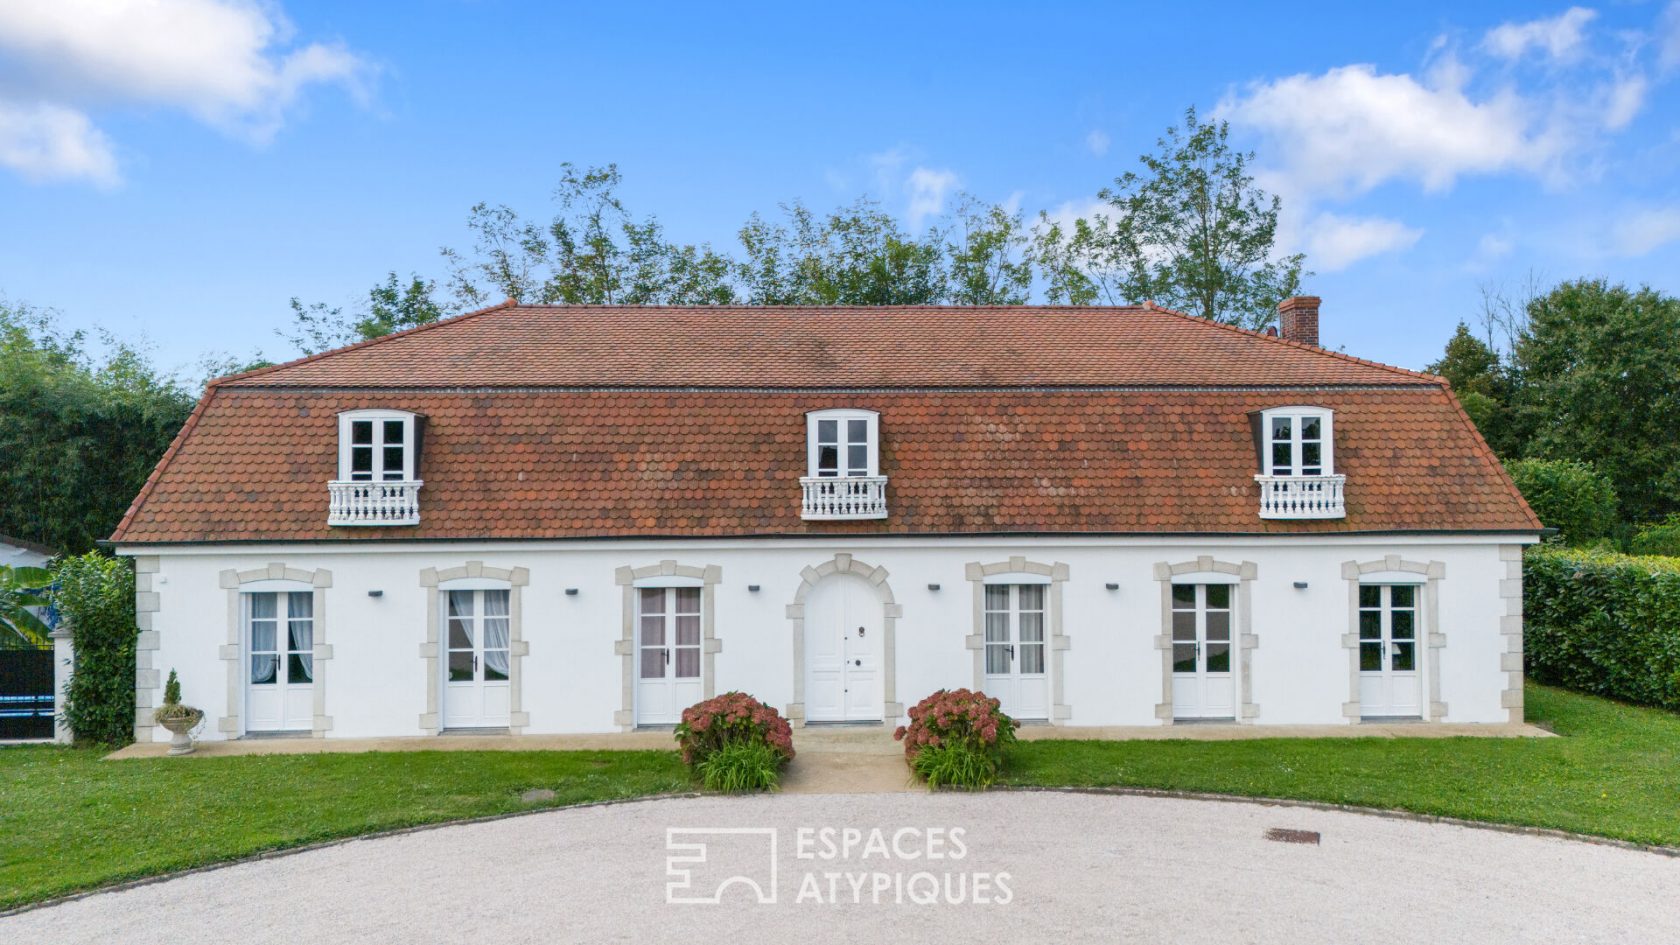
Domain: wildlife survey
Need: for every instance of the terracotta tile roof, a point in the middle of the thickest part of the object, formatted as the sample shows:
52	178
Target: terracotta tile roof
254	461
824	348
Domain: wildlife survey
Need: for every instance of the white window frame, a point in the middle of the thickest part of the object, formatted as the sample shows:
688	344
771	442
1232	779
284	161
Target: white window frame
378	418
1327	439
872	451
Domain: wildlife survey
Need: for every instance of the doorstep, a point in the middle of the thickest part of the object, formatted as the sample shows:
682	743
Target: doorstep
620	741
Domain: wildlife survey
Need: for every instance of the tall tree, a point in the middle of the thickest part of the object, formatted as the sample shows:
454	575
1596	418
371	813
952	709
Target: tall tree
856	255
592	251
78	434
987	251
1482	384
1598	380
391	305
1191	231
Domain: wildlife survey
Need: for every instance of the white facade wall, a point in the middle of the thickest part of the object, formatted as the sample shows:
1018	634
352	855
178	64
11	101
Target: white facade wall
375	682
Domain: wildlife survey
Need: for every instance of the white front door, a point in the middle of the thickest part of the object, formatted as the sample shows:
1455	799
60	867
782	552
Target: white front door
668	653
843	650
280	661
1015	657
475	664
1388	676
1203	684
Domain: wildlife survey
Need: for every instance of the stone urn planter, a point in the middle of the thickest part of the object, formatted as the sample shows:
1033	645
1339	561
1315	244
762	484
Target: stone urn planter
179	719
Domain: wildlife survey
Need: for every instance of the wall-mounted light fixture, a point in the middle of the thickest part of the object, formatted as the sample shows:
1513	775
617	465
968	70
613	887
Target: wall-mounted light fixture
752	588
571	592
933	587
1113	586
376	593
1300	585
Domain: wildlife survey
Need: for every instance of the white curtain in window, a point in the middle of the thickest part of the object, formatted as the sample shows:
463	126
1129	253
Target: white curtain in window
496	632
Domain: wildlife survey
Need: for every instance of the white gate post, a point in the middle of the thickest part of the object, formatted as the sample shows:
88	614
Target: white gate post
64	662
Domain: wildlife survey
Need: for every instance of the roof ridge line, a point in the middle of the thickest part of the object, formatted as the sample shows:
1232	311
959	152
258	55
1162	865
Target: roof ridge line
1279	339
366	342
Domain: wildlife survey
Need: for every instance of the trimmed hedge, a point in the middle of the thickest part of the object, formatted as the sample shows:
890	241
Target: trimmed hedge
1572	497
95	594
1602	623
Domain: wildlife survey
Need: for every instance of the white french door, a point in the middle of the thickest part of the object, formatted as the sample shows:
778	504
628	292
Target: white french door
280	661
1389	686
476	691
843	651
1203	681
1015	650
668	653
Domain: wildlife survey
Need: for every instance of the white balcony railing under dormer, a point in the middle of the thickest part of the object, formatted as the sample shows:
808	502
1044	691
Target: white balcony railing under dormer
846	497
373	503
1301	496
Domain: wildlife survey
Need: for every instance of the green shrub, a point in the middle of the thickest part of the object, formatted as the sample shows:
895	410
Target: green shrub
965	731
95	596
955	764
1663	538
1569	496
1602	623
740	767
734	718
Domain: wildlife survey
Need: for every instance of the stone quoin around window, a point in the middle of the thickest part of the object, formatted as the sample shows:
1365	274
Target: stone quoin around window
378	469
1297	477
843	466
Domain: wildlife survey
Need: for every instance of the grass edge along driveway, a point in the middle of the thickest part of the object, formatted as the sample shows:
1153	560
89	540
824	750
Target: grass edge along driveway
1616	773
70	821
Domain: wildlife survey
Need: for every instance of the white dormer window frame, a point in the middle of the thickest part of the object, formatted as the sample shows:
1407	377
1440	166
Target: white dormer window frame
842	443
378	446
1293	437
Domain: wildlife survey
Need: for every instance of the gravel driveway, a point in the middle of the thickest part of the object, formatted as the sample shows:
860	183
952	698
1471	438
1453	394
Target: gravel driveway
998	867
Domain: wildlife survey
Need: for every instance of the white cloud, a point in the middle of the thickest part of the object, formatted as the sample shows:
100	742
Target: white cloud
1097	142
228	63
928	188
1560	37
50	142
1622	101
1668	37
1494	246
1333	242
1351	129
1647	230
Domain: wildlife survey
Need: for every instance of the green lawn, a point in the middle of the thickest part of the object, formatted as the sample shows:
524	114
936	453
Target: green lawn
1616	774
70	821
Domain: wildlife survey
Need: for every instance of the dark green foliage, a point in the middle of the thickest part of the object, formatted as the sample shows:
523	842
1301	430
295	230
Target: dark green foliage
857	255
739	767
1191	231
1604	623
1482	384
172	690
1598	380
1568	496
1662	538
95	596
391	306
79	436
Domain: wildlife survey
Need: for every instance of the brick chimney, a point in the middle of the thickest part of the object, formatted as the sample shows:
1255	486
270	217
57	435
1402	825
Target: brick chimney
1298	319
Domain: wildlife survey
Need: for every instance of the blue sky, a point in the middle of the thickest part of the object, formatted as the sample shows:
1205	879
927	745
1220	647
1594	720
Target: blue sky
179	169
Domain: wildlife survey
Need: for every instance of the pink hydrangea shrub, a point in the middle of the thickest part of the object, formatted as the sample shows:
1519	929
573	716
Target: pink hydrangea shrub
957	716
731	718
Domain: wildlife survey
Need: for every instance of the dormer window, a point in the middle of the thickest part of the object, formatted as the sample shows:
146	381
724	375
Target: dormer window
1298	442
378	469
843	466
1298	476
843	443
376	446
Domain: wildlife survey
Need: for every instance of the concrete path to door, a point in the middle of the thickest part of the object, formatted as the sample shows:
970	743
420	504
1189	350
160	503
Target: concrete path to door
993	867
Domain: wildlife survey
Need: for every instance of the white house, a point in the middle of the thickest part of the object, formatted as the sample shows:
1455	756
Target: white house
584	519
